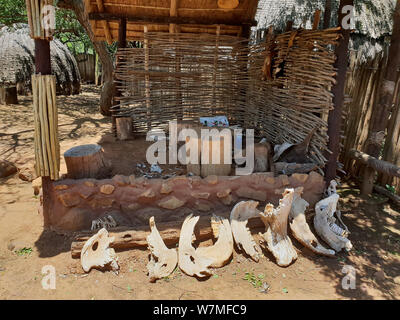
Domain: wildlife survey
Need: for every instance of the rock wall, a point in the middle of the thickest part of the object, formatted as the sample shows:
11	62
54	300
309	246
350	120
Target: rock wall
132	201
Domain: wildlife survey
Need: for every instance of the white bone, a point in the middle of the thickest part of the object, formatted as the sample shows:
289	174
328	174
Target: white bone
190	261
240	215
97	254
162	260
325	226
300	229
276	221
221	252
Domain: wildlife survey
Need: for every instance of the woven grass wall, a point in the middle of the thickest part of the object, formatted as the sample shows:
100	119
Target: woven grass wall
185	76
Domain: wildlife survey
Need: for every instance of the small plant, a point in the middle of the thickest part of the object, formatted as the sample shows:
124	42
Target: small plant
24	251
392	189
255	281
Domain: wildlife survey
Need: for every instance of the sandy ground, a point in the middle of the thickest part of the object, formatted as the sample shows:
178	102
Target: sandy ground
374	223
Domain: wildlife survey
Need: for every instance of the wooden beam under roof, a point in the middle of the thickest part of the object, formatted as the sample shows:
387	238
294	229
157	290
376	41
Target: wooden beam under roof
168	20
100	6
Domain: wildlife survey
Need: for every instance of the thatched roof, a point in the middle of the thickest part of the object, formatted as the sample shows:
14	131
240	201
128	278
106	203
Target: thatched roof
372	18
200	16
17	58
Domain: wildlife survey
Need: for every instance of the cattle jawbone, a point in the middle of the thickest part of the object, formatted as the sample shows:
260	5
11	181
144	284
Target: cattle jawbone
300	228
324	224
240	215
97	254
276	236
162	260
190	261
221	252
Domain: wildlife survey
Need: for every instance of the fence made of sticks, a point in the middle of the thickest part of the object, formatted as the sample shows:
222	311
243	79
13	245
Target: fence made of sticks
363	81
185	76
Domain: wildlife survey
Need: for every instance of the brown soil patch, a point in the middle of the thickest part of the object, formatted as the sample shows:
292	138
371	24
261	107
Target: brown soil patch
374	223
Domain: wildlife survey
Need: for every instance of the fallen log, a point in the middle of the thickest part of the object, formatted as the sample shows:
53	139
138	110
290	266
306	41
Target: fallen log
135	237
394	197
379	165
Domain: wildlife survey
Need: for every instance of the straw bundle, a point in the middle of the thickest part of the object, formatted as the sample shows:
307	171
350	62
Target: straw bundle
37	17
47	147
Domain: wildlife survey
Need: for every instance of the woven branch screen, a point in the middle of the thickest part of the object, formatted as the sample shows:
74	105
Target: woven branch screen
181	76
185	76
297	97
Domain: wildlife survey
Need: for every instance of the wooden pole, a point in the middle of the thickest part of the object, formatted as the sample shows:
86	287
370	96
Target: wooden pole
118	92
335	115
327	14
43	67
383	106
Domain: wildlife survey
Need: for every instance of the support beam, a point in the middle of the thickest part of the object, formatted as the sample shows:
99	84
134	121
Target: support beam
317	19
335	115
106	27
168	20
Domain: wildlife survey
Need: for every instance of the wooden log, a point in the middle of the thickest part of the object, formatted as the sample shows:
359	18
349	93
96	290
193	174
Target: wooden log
131	238
394	197
8	96
86	161
291	168
124	128
379	165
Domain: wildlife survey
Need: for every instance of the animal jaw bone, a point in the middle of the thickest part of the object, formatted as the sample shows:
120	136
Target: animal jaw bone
221	252
327	229
300	229
240	215
276	221
190	261
96	253
330	191
105	222
162	260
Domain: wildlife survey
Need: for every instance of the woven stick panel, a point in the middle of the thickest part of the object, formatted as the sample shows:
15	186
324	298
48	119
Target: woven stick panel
296	97
182	76
47	146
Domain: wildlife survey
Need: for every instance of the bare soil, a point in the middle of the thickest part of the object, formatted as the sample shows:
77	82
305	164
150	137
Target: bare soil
374	224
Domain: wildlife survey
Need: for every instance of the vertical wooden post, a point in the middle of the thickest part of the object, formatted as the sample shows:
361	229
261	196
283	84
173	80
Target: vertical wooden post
327	14
43	67
147	77
118	93
335	115
218	31
317	19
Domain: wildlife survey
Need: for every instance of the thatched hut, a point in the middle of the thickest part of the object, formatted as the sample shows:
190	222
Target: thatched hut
17	60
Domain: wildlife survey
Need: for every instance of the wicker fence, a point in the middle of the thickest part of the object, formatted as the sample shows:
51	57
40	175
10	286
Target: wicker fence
362	87
185	76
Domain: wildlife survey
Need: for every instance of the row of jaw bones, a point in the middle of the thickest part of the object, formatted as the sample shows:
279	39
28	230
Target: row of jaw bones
197	262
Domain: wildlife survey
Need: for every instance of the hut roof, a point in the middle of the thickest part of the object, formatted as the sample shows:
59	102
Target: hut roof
17	58
193	16
373	19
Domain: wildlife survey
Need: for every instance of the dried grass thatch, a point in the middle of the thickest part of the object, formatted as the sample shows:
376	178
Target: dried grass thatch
17	60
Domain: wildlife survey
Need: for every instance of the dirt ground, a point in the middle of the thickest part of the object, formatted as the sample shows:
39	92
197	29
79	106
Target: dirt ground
25	248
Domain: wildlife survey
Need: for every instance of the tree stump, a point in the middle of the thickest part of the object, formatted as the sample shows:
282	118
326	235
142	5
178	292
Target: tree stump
124	128
86	161
8	96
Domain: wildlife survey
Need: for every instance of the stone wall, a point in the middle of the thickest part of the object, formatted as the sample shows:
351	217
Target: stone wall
132	201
